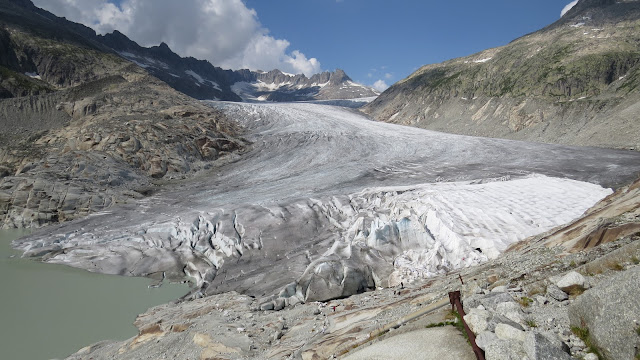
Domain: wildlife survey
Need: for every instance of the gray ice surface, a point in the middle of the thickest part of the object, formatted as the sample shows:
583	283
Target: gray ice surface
285	205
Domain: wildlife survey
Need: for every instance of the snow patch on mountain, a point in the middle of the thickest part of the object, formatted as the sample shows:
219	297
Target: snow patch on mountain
201	80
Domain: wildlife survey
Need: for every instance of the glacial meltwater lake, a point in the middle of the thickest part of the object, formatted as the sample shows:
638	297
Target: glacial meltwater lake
50	311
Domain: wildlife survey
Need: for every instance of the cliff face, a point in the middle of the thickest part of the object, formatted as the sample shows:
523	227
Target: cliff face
573	82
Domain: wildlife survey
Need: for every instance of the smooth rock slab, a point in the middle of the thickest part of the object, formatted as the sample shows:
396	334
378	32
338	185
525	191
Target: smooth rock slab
435	343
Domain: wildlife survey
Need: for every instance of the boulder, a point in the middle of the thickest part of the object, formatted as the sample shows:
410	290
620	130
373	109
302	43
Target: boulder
477	320
540	347
499	289
485	338
556	293
501	319
505	350
511	311
506	332
570	281
611	313
489	301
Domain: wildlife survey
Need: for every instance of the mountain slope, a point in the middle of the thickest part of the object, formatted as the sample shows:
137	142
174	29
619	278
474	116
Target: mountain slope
95	130
199	79
573	82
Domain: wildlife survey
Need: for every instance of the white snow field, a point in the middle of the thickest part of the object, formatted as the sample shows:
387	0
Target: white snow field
326	203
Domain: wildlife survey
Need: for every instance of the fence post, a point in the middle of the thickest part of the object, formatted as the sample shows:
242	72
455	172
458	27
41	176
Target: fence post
454	298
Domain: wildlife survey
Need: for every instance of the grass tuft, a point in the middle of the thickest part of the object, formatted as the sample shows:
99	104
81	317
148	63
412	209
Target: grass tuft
531	323
460	326
441	324
525	301
583	334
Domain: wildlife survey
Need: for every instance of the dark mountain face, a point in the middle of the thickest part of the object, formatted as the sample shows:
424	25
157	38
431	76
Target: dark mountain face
574	82
196	78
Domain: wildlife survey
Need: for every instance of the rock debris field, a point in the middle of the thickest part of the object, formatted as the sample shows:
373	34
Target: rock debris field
325	203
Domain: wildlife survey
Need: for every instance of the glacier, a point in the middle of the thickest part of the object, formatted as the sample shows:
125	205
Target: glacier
326	203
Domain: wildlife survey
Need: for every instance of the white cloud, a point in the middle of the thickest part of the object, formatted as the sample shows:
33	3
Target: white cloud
388	76
380	85
568	7
225	32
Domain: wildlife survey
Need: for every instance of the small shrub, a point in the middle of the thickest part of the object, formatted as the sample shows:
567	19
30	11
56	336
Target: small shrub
617	267
638	331
451	315
458	324
573	264
575	290
531	323
525	301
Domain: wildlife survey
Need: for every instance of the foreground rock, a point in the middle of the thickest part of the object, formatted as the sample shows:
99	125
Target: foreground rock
611	313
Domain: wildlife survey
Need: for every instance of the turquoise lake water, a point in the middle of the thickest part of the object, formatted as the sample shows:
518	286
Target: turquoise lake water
50	311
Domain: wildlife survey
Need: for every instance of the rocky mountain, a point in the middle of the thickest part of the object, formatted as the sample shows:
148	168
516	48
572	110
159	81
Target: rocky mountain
196	78
278	86
573	82
201	80
84	129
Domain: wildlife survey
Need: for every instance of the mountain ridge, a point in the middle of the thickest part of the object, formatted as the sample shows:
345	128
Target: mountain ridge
573	82
196	78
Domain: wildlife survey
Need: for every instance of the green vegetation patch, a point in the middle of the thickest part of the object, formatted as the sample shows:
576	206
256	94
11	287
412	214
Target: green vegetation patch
525	301
583	334
21	81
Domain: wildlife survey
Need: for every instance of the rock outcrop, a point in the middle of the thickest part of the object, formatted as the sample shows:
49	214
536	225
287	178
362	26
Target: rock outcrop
97	132
611	313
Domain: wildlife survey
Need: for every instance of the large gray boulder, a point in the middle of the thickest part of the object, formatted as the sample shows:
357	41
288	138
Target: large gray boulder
540	347
611	312
505	350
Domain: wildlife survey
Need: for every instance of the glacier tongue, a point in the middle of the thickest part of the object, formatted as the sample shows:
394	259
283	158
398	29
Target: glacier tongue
393	235
289	216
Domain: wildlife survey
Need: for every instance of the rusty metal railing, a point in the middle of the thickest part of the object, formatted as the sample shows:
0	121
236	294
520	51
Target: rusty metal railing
456	304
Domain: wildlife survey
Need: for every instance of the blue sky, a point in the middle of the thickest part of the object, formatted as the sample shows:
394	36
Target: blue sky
372	40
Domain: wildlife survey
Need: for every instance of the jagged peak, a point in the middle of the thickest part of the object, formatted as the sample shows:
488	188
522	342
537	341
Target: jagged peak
604	9
23	3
